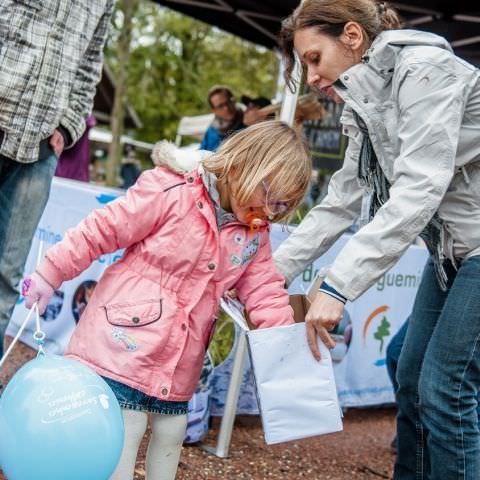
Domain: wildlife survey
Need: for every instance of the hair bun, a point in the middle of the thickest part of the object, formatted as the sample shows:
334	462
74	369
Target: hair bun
389	18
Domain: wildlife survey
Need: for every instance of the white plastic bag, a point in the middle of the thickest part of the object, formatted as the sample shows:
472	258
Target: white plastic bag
296	394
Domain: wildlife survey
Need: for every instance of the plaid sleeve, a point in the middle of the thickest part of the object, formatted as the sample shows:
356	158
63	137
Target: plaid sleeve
86	79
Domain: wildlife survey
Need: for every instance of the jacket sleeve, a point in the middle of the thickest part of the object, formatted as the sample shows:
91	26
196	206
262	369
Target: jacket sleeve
86	79
261	289
431	104
325	222
120	224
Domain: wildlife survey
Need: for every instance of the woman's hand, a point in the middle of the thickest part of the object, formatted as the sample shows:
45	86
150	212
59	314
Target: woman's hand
36	289
323	316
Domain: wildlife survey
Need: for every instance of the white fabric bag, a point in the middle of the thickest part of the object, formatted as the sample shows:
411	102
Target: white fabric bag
297	395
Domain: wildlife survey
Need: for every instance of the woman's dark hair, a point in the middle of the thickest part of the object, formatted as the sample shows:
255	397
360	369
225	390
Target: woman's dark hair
329	17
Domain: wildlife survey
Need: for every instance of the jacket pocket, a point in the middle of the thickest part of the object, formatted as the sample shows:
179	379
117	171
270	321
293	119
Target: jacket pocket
134	315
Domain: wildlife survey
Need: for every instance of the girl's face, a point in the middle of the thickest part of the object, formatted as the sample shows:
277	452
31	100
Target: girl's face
260	206
325	58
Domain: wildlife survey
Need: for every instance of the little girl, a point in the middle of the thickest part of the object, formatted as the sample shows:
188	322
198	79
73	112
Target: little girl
189	237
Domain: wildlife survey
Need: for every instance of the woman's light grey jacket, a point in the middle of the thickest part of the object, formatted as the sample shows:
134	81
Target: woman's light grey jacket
421	105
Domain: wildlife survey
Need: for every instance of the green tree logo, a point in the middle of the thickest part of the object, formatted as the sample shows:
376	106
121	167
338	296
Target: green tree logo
383	331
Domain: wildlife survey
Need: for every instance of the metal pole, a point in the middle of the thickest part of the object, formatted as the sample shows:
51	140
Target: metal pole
289	104
230	409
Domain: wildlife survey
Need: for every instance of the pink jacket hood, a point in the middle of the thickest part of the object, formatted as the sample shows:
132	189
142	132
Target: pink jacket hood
152	313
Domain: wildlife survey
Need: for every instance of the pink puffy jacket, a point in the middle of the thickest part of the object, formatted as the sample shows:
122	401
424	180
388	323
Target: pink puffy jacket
151	316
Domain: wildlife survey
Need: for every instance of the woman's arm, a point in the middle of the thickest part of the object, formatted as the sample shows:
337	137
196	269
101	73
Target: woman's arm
325	222
431	103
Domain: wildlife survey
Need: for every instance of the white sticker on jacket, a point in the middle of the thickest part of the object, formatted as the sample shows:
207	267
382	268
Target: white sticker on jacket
248	252
129	342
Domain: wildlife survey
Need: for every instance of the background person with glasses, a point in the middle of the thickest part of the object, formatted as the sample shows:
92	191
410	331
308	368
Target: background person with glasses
228	117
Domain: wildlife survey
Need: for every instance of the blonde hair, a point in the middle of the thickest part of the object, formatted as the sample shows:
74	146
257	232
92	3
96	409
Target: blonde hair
329	17
267	150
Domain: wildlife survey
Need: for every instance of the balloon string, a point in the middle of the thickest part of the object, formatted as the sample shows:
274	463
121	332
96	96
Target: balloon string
20	331
39	335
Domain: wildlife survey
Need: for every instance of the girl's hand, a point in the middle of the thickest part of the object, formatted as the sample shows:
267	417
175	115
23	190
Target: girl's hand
323	316
36	289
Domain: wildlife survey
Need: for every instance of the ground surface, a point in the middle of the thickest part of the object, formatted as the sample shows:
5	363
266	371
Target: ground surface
361	451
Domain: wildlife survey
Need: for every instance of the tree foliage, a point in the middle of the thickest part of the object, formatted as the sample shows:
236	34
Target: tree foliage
174	60
128	9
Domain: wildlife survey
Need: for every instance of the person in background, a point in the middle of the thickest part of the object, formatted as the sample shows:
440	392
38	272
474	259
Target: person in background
50	63
74	163
130	169
253	109
412	115
228	117
189	236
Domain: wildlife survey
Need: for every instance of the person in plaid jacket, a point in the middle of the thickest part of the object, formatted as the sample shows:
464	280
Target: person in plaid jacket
51	56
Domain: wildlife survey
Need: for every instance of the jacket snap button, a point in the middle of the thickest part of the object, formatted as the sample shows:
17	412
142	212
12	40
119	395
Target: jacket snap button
365	100
164	391
135	319
346	77
211	266
200	205
190	179
184	327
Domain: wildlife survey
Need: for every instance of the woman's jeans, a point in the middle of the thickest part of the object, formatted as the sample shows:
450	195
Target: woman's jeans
394	348
439	376
24	190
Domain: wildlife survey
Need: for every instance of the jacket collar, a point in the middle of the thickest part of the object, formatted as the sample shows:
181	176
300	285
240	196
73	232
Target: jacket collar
382	55
201	196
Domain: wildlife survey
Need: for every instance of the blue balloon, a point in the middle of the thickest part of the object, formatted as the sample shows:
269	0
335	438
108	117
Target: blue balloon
59	420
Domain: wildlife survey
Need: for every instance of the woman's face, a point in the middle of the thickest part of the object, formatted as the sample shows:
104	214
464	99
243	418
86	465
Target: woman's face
325	58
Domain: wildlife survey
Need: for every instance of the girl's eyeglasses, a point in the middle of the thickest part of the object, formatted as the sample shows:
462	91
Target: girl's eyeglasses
273	207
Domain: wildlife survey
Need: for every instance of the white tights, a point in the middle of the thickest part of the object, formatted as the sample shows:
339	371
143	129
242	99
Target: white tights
163	453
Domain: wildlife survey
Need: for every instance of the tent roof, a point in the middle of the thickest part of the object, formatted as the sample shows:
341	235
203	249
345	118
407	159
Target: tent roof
259	20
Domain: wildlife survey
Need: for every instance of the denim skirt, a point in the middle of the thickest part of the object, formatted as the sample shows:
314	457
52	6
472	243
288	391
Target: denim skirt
132	399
